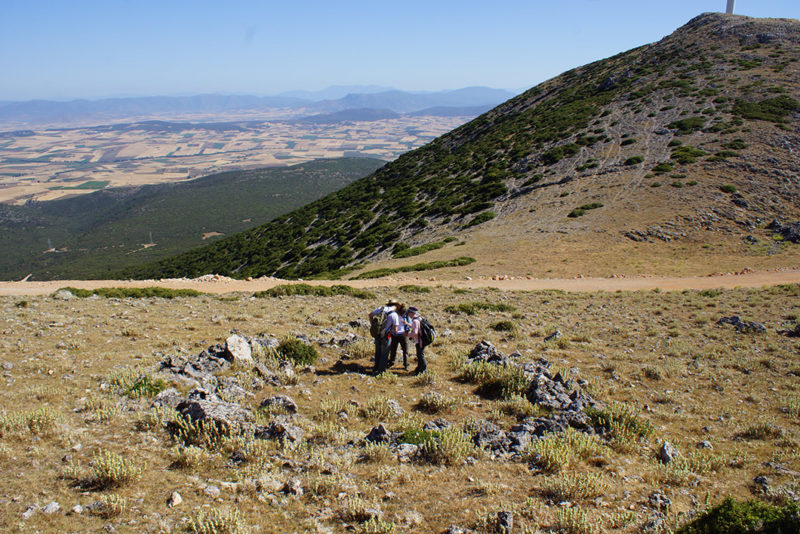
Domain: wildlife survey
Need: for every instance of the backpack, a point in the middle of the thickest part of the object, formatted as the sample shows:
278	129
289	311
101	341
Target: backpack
378	324
427	332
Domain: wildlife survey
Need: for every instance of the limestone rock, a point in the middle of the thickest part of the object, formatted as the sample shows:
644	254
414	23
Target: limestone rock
237	349
280	402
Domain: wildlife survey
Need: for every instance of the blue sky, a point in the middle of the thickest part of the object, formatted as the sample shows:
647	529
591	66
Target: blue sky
96	49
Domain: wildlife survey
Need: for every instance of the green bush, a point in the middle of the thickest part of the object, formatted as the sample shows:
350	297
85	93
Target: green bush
663	167
414	289
471	308
728	188
634	160
504	326
132	292
748	517
577	212
772	109
377	273
297	351
686	154
688	125
480	218
416	251
316	291
627	142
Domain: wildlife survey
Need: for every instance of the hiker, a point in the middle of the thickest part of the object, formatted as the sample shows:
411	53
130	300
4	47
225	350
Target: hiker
379	319
415	335
397	331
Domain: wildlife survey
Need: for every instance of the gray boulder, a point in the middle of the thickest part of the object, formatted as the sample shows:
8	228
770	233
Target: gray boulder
280	402
237	349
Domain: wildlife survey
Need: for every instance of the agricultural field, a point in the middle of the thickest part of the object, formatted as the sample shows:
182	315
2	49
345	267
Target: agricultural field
544	410
52	163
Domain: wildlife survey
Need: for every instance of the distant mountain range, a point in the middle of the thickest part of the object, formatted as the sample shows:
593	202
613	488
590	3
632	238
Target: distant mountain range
46	111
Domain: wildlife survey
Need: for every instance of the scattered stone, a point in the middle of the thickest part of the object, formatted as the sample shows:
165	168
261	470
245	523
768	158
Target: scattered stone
743	326
280	402
293	486
379	434
169	398
659	501
63	294
7	366
174	499
237	349
705	445
406	452
667	452
762	481
281	428
394	407
555	335
485	351
505	522
77	509
212	491
28	513
51	508
789	232
208	407
436	425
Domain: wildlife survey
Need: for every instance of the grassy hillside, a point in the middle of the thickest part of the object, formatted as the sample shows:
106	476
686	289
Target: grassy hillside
90	235
710	113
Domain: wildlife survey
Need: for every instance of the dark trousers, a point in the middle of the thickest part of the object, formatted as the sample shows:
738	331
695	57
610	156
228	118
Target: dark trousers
422	365
381	354
403	342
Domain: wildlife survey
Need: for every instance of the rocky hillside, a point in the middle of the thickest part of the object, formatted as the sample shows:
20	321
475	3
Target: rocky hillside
692	139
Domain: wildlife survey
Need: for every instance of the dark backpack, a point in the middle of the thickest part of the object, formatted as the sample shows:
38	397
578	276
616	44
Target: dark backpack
378	324
427	332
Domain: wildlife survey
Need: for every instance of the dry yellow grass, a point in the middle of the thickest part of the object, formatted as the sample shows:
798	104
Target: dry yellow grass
659	353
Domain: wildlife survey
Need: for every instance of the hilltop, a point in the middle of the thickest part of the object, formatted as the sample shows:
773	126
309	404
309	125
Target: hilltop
669	158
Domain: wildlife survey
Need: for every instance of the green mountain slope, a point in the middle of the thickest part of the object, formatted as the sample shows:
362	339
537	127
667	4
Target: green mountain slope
719	98
90	235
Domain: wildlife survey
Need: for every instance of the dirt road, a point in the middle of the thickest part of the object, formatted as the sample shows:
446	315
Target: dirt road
218	285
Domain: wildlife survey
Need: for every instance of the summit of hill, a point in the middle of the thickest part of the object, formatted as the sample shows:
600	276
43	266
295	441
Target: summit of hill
671	158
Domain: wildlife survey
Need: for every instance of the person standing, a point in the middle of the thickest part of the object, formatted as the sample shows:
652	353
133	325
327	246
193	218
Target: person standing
380	324
397	330
415	335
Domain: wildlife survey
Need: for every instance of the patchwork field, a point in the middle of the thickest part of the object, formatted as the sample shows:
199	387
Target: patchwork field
80	374
53	163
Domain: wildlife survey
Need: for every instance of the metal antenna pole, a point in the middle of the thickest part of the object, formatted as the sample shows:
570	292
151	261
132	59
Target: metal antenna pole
731	6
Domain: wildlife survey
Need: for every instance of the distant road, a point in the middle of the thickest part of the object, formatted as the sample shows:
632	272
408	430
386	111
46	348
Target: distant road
218	285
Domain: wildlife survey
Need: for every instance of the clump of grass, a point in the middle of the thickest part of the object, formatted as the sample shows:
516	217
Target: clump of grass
471	308
410	288
377	273
761	431
575	521
504	326
285	290
357	508
112	470
298	352
574	486
203	433
558	451
625	428
405	251
378	408
728	188
433	403
376	452
450	447
331	408
216	521
577	212
520	407
427	379
376	525
110	506
191	457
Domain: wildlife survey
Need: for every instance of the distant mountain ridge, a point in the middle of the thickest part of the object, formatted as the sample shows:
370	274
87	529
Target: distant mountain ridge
43	111
692	139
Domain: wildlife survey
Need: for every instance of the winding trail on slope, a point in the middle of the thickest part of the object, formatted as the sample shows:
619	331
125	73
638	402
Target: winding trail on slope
220	285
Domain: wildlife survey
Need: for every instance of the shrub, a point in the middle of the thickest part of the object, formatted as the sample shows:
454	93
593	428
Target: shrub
376	452
577	212
414	289
688	125
378	408
284	290
146	386
735	517
728	188
772	109
132	292
575	521
686	154
634	160
504	383
377	273
627	142
111	470
504	326
110	505
480	219
471	308
416	251
574	486
663	167
298	352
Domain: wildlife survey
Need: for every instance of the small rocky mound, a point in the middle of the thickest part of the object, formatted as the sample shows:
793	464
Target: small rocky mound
789	232
743	326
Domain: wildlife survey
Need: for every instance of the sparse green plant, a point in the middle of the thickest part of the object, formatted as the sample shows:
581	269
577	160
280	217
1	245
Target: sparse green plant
732	516
728	188
762	431
427	379
504	326
377	452
378	408
376	525
414	289
110	506
520	407
574	486
191	457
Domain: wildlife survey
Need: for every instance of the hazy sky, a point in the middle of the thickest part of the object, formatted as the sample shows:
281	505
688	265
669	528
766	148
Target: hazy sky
94	49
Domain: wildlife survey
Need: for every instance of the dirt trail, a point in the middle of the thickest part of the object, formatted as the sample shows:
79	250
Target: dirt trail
219	285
